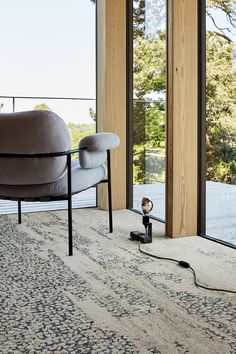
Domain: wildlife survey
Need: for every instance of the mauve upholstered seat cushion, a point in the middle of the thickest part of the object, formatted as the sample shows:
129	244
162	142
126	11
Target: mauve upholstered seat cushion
81	179
32	132
96	148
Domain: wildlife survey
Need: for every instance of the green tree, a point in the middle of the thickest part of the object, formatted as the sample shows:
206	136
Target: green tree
221	96
42	106
149	72
220	110
79	131
92	114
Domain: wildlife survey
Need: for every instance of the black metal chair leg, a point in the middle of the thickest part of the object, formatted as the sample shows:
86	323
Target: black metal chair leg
19	212
109	192
70	236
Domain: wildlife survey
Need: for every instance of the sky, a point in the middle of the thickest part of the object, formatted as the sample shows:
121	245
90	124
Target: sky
48	49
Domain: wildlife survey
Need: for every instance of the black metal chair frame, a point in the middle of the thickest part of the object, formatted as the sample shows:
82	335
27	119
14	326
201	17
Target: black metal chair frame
69	194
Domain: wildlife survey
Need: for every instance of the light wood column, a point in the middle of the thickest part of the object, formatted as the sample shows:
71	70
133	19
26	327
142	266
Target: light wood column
182	119
111	92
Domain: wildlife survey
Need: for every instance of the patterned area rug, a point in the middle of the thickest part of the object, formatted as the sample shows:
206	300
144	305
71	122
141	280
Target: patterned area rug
108	297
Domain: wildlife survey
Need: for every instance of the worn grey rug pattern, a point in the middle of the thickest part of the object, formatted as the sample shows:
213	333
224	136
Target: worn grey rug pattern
108	297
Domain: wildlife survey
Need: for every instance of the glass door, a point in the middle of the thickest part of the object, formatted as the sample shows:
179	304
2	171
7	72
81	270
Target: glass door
149	97
221	120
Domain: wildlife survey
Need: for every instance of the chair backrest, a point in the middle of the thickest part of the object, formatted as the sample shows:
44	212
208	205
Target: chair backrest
32	132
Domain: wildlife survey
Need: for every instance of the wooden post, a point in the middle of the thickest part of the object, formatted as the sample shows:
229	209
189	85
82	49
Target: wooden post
111	92
182	119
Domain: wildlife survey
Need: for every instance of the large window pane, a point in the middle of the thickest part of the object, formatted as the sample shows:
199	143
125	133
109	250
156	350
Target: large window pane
149	81
48	62
221	120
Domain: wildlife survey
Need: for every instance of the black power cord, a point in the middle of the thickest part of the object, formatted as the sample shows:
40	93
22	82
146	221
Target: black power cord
185	265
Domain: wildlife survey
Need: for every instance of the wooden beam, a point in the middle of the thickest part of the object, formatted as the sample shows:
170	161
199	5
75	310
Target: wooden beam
111	91
182	119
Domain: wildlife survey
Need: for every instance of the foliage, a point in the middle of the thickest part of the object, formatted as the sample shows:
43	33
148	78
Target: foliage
79	131
42	106
221	97
92	114
149	72
139	18
221	111
149	68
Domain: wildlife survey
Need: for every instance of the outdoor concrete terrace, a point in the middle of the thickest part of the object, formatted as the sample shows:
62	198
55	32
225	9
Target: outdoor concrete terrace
221	206
81	200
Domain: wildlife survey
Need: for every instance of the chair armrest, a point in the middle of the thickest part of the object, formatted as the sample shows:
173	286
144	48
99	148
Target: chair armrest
100	142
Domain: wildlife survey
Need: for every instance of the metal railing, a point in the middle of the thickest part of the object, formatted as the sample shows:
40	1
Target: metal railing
15	98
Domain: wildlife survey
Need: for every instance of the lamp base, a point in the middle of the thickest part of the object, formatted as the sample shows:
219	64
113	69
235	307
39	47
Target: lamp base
139	236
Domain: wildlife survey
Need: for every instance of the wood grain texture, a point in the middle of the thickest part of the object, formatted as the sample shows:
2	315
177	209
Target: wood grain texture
111	91
182	119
